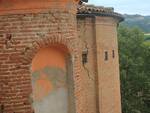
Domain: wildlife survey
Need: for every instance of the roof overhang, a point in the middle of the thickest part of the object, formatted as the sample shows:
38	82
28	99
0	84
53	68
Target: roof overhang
93	11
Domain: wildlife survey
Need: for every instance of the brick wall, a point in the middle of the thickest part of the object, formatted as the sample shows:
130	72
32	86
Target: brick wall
98	34
86	35
21	36
108	68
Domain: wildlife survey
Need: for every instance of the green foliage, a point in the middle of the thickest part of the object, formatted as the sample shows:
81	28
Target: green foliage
147	43
135	70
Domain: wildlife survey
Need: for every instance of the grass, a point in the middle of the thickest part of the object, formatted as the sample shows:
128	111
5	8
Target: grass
147	39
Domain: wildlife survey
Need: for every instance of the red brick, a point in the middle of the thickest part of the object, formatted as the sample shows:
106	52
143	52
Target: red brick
32	31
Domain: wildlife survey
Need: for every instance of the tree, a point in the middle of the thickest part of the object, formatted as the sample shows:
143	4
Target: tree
135	71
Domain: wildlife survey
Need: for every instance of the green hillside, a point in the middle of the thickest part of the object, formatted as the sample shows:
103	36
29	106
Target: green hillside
147	39
143	22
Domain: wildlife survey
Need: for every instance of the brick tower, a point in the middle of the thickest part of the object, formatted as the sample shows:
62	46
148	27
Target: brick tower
97	31
53	60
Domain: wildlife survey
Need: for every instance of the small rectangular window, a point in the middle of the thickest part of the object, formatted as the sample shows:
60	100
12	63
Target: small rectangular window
106	55
84	58
113	53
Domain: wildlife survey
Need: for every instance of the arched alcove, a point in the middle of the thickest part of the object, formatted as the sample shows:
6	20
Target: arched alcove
52	81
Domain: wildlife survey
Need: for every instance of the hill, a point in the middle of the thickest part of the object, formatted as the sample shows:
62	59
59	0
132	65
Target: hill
143	22
147	39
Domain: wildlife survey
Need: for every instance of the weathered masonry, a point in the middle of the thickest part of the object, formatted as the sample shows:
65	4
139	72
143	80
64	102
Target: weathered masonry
57	56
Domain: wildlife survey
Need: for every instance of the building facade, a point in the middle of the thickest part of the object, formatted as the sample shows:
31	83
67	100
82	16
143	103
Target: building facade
58	57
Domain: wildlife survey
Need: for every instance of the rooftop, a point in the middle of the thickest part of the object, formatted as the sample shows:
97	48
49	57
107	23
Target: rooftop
91	10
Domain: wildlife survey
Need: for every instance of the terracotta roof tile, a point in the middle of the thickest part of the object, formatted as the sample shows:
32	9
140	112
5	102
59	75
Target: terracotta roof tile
98	11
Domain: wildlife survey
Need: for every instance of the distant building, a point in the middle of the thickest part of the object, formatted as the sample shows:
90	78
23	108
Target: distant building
55	59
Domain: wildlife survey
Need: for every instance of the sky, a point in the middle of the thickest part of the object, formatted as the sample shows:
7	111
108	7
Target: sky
141	7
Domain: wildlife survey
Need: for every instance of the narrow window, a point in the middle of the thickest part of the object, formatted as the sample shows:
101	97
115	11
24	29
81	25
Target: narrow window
113	53
2	108
106	55
84	57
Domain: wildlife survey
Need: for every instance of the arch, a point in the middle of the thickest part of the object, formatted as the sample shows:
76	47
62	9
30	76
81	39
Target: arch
69	45
51	81
32	49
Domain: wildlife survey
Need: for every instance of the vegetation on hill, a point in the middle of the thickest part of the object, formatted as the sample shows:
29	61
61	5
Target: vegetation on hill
135	70
147	39
143	22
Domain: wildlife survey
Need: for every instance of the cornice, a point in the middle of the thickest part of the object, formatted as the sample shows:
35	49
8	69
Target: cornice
91	10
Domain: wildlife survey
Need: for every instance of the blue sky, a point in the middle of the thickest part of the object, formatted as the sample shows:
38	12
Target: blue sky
126	6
